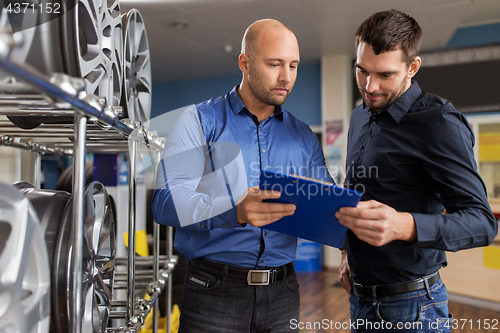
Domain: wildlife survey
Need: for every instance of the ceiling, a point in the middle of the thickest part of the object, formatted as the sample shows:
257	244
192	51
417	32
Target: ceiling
210	44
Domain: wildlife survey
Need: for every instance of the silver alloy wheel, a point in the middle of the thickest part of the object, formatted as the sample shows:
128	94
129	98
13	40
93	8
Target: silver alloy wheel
24	266
39	30
93	45
98	265
137	68
20	53
28	27
41	49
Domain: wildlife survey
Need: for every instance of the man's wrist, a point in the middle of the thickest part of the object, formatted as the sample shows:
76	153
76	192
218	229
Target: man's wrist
409	233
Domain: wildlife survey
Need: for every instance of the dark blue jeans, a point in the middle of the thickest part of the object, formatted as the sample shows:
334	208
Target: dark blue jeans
411	312
218	305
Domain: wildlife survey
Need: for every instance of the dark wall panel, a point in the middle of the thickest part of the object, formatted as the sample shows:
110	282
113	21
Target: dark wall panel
471	87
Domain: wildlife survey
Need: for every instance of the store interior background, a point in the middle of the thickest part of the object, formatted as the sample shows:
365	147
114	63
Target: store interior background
194	46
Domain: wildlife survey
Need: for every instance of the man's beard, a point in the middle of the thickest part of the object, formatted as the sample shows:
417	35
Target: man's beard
263	94
390	99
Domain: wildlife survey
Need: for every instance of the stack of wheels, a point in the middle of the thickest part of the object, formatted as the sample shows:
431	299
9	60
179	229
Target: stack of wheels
24	266
85	41
55	212
88	39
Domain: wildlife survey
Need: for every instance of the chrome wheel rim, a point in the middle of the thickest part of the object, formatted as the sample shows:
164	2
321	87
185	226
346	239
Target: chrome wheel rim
26	31
28	26
137	68
24	266
99	257
49	206
98	263
99	47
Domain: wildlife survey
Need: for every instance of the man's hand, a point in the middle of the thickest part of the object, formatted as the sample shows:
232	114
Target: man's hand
252	210
345	272
378	224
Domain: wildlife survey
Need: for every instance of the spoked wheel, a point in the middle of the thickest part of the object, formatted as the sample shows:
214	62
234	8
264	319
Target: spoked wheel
23	29
137	68
49	206
24	266
93	47
37	22
98	263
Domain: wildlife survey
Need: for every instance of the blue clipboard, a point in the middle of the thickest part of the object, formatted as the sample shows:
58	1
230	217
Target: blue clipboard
317	202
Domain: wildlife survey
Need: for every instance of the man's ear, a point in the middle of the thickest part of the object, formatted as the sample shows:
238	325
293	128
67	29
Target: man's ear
414	67
244	62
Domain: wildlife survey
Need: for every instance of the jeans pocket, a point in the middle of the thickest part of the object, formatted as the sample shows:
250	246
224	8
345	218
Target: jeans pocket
401	314
444	324
201	282
435	310
292	283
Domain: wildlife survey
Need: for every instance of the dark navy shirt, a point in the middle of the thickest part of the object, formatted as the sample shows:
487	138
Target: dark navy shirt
212	155
416	156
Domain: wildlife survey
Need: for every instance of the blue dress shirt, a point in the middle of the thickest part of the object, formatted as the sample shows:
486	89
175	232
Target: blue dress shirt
416	156
212	155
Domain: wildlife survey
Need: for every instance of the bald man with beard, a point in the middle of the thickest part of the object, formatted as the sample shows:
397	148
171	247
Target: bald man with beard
240	277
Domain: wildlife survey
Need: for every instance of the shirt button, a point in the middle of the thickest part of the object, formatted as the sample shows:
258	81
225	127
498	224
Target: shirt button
265	233
263	151
260	127
372	118
261	261
202	226
224	225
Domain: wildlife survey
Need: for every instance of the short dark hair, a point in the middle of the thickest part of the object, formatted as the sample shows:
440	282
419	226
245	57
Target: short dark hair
390	30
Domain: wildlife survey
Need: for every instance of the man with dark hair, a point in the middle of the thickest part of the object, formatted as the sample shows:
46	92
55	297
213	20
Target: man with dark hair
422	148
241	278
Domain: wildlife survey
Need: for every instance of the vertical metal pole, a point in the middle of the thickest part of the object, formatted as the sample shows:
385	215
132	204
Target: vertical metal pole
38	170
168	310
156	253
17	169
79	152
131	229
156	269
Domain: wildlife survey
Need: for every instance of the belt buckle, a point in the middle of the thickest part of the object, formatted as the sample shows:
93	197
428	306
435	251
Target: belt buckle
258	277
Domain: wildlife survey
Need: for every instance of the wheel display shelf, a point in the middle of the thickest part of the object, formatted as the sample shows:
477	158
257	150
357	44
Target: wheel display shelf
89	271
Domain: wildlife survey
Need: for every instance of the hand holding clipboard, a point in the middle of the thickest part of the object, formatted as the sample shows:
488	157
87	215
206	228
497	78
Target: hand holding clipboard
316	201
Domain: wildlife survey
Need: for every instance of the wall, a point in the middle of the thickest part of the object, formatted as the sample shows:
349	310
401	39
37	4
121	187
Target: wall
337	106
8	166
486	34
304	101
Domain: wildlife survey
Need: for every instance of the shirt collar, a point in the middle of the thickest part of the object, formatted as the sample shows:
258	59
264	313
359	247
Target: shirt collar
403	104
399	109
238	106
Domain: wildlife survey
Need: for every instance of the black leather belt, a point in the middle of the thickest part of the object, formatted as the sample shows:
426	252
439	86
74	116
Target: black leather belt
254	277
395	288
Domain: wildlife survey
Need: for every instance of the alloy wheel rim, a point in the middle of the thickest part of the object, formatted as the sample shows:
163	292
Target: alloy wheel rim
98	262
24	266
99	47
137	67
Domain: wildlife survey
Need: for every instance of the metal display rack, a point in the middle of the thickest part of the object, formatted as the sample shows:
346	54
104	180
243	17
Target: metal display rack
96	128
